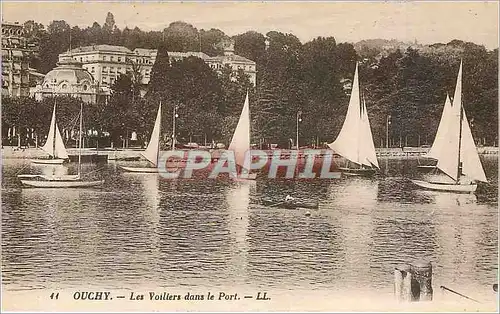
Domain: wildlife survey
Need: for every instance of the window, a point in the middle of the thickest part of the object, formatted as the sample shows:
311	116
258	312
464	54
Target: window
111	58
104	58
81	59
85	87
119	59
64	86
92	70
104	69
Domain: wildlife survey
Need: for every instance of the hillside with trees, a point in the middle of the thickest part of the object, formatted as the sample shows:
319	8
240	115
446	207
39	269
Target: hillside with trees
406	86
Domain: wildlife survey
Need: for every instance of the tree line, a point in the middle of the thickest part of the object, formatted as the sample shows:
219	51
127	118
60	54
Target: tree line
405	88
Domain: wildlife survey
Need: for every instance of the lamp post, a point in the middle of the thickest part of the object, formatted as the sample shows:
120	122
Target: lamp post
174	117
299	119
387	123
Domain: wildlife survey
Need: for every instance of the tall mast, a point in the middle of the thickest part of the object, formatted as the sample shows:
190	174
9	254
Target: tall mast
80	141
159	141
459	143
460	128
54	153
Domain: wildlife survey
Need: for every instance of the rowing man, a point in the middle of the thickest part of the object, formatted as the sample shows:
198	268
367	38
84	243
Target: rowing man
288	198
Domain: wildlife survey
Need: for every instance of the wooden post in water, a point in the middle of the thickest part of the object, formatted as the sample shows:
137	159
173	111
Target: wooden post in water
413	282
421	281
402	283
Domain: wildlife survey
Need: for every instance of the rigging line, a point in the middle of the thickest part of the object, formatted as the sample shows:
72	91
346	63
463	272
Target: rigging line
86	174
25	166
72	125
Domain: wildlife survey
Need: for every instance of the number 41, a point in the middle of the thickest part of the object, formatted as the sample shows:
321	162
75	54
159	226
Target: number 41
54	296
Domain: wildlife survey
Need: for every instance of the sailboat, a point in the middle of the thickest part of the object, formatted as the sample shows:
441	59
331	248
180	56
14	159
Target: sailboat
54	145
152	152
355	140
455	150
240	143
61	181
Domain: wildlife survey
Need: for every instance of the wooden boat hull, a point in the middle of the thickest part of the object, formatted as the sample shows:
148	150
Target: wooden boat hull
458	188
363	172
140	169
426	167
67	177
61	183
291	204
56	161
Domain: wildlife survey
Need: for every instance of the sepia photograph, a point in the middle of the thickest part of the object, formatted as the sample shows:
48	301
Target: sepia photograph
251	156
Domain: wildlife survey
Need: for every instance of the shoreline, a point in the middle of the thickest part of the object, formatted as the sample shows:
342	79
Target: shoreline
12	152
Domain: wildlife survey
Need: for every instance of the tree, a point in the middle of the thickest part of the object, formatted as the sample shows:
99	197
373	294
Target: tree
123	113
251	45
209	41
181	36
109	25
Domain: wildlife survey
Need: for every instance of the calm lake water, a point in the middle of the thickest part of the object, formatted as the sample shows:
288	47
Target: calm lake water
140	229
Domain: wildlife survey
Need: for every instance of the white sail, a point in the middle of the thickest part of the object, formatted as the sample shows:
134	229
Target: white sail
355	140
448	161
60	150
54	145
436	149
346	143
367	148
240	142
49	144
152	151
471	164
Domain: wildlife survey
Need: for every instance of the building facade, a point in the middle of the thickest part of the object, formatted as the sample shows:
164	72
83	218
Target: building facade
107	62
69	79
233	61
15	61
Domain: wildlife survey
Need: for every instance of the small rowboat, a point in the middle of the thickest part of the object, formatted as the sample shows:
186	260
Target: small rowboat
294	204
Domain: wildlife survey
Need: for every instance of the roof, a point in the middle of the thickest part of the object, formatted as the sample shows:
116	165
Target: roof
108	48
232	58
35	73
143	51
178	54
70	73
11	24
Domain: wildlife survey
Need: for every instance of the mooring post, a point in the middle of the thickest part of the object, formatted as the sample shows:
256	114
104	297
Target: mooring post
421	285
402	283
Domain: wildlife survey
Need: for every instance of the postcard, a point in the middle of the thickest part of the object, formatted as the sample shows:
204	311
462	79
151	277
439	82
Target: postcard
168	156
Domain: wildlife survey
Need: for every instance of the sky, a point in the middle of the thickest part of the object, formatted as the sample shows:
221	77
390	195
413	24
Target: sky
427	22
